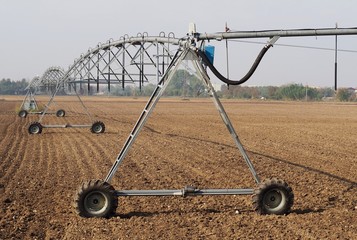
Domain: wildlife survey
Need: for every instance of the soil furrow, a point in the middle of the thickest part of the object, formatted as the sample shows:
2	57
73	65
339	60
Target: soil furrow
11	148
77	153
309	145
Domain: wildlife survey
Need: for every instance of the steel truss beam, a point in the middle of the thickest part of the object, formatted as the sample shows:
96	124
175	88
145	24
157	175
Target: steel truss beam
50	79
136	60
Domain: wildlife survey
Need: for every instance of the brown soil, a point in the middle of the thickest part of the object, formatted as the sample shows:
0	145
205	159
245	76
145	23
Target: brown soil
312	146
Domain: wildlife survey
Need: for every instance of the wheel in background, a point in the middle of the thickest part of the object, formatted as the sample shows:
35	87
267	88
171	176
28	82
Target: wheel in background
60	113
273	196
98	127
95	198
23	113
35	128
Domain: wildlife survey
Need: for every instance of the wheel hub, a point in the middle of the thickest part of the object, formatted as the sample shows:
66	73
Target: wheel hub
97	128
273	198
95	202
35	129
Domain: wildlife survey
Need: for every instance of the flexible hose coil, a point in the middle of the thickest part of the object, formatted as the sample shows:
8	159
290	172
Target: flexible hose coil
242	80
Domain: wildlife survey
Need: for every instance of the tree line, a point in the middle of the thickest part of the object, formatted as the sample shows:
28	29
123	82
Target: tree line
9	87
292	92
187	85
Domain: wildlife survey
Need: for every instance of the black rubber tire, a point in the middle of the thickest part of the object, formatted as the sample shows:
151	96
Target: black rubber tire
95	198
98	127
35	128
23	114
60	113
273	196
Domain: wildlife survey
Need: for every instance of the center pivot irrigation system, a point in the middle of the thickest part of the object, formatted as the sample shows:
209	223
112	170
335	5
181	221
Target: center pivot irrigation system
46	84
98	198
129	60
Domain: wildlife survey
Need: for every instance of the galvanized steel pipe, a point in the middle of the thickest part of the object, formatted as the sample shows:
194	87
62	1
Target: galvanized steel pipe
281	33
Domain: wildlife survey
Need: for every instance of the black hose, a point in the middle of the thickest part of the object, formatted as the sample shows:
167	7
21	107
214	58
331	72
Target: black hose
245	78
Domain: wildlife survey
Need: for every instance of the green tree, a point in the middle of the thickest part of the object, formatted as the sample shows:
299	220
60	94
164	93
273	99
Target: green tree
344	95
9	87
185	84
291	92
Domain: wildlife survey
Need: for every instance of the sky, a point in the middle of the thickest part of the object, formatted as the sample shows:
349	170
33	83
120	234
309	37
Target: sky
38	34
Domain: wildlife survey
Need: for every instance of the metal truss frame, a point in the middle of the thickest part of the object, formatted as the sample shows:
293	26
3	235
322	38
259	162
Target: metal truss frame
44	84
130	60
98	198
187	54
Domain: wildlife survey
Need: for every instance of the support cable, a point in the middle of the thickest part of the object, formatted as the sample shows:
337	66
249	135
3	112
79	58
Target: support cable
298	46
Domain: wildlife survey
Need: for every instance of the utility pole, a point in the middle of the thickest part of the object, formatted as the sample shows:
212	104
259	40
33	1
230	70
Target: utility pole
336	61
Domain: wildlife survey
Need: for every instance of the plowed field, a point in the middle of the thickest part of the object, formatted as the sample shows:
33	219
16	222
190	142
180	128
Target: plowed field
312	146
